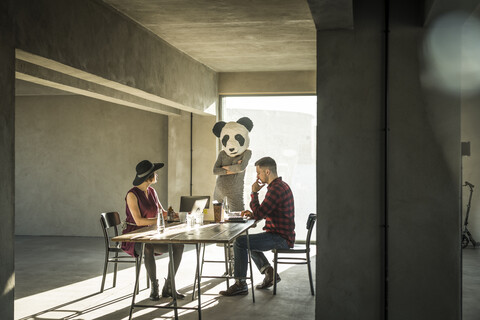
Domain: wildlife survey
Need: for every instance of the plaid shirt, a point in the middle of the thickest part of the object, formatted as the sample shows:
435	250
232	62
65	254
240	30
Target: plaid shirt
278	210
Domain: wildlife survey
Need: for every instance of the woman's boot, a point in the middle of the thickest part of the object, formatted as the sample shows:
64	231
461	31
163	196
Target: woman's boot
167	290
154	293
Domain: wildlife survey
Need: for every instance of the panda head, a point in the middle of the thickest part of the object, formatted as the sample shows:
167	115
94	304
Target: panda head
234	135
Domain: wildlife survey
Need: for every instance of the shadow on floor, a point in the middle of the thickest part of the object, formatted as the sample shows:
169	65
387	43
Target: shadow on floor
59	278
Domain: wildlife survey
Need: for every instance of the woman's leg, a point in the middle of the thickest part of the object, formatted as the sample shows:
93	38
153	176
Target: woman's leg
177	250
177	254
149	260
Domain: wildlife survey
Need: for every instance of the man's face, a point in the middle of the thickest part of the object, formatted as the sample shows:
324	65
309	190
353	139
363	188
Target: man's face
262	174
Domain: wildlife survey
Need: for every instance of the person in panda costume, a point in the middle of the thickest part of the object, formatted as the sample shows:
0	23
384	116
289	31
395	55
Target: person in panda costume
232	161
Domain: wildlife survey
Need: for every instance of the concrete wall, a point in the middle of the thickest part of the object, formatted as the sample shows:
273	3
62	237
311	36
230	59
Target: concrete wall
76	158
203	156
94	43
471	133
7	161
286	82
418	196
471	164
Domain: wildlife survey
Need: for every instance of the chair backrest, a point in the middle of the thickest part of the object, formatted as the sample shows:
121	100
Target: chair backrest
109	220
312	217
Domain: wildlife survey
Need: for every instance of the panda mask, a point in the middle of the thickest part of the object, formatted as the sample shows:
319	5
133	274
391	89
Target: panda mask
234	135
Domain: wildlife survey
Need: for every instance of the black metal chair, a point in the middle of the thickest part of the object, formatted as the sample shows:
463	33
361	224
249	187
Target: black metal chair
279	258
109	221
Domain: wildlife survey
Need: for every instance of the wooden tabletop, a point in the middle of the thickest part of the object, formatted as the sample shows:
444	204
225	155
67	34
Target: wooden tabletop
209	233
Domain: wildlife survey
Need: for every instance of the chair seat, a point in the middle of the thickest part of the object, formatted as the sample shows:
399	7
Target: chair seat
115	249
293	250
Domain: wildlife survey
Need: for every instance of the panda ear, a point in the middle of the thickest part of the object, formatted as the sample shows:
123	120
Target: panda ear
246	122
217	128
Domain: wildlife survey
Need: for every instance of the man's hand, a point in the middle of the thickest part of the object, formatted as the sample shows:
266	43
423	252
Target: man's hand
247	213
257	185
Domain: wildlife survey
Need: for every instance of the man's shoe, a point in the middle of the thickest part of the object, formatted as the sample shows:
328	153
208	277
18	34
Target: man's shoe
238	288
268	280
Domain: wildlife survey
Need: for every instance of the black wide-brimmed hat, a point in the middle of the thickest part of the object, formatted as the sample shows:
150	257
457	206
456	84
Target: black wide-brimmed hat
144	169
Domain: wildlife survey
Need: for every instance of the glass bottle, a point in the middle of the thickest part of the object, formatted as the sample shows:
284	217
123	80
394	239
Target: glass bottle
160	221
225	206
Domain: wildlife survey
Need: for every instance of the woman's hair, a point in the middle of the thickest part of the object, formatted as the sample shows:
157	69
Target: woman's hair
151	176
267	163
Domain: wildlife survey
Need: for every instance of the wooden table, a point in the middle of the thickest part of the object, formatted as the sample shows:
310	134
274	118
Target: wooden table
224	233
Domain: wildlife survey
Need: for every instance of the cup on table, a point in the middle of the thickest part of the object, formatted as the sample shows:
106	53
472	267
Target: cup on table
199	218
182	216
190	220
218	212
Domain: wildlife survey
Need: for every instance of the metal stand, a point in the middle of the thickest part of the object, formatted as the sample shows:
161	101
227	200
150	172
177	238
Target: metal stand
466	235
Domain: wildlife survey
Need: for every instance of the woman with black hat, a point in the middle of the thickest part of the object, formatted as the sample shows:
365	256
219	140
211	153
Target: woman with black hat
142	207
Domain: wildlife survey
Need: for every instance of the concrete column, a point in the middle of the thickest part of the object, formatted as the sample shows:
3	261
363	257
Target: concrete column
350	168
424	269
7	161
414	272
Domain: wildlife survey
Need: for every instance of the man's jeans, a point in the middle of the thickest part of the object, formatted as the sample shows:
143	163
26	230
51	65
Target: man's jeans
258	242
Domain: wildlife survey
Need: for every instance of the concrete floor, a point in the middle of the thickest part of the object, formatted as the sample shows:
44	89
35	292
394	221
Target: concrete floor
60	277
471	283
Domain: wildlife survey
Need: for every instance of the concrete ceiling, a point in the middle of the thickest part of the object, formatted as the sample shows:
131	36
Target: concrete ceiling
232	35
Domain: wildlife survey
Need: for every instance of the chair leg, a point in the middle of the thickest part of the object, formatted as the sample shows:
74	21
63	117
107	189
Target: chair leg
104	272
310	274
275	257
228	269
115	269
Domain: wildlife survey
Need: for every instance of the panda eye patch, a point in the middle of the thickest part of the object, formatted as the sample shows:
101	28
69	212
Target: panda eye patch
225	140
240	139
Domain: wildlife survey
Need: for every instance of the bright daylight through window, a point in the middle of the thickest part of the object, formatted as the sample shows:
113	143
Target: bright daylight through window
284	128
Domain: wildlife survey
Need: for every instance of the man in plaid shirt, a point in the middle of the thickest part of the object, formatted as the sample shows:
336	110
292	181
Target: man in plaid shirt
278	211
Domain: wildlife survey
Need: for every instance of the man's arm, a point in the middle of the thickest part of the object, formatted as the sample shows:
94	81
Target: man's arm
260	211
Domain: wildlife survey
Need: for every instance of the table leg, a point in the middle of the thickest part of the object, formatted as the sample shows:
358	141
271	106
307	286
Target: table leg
250	263
201	270
198	281
137	275
172	280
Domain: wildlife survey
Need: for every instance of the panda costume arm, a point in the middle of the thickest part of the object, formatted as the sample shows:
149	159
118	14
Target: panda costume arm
219	164
239	167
